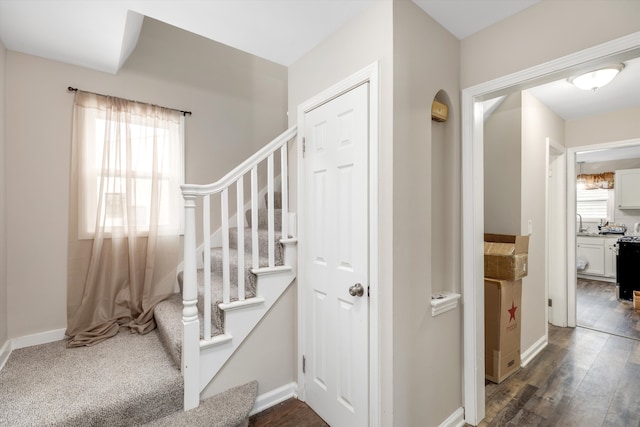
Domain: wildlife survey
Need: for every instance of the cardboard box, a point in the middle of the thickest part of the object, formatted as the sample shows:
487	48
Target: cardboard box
505	256
636	300
502	300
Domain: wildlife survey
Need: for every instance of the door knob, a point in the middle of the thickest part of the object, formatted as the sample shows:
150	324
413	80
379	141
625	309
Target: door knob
356	290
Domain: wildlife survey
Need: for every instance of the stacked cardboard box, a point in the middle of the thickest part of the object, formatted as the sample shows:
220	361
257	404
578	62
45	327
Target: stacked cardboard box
505	256
505	264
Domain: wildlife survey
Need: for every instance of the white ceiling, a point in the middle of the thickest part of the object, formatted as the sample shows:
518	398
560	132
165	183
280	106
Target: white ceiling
571	103
100	34
465	17
608	154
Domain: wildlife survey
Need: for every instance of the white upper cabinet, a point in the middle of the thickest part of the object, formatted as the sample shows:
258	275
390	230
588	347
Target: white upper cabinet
627	189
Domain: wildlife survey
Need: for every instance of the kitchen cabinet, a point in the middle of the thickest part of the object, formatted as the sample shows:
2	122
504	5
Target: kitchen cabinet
610	251
600	253
592	249
627	189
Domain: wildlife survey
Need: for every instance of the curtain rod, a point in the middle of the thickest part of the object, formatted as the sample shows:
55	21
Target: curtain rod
184	113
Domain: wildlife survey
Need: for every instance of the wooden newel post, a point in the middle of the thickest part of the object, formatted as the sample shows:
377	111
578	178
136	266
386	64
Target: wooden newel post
190	323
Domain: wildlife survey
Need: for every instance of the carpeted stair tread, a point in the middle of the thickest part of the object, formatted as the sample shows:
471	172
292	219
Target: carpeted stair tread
230	408
263	246
263	219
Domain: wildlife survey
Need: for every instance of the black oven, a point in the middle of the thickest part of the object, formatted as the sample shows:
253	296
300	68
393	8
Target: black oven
628	266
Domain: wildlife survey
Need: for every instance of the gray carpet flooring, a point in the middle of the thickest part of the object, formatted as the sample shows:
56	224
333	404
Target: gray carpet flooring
228	409
124	381
127	380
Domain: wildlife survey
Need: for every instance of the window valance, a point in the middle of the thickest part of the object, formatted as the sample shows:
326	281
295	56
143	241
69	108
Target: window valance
597	180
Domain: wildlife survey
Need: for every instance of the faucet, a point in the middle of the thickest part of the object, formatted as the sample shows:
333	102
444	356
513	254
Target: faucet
580	228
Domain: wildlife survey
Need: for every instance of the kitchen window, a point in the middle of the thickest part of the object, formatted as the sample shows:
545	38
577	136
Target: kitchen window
594	205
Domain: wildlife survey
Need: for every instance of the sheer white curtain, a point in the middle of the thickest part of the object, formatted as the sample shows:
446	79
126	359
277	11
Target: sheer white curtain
125	210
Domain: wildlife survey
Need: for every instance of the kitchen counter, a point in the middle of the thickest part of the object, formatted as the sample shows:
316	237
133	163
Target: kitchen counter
606	236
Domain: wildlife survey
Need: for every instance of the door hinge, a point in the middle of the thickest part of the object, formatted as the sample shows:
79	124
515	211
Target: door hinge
550	302
368	291
304	365
304	146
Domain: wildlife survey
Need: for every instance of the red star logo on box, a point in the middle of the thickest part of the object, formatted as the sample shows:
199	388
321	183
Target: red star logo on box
512	311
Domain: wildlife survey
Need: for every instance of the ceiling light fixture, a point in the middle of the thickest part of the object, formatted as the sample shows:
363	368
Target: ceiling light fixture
595	79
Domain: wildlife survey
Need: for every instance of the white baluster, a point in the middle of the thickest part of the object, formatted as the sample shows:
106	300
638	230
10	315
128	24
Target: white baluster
240	222
191	326
270	211
284	184
206	231
255	254
226	292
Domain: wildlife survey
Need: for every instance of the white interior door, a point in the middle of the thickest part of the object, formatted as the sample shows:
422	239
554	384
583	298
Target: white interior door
334	259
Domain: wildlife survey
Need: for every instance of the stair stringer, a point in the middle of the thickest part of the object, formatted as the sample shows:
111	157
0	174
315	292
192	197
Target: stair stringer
241	317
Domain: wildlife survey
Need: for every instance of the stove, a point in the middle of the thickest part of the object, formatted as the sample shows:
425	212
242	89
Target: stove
627	262
629	239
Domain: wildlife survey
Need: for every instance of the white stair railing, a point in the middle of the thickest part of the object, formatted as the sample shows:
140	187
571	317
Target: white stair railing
193	195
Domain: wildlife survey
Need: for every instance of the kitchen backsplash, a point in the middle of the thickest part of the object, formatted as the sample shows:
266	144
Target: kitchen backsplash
626	217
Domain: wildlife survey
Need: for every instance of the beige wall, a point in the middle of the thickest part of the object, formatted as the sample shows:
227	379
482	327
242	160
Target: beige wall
365	39
4	333
619	125
547	30
410	79
515	191
427	350
538	123
235	110
503	167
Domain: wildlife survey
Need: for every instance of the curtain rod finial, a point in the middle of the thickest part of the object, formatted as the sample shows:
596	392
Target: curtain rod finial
72	89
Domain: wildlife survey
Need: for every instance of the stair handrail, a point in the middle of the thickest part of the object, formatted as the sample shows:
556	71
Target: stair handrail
241	169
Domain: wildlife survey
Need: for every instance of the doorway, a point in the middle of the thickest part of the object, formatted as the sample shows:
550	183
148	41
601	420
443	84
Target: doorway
594	302
473	209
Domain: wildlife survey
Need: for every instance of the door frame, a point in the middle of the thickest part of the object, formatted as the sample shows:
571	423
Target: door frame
556	242
473	195
572	275
369	74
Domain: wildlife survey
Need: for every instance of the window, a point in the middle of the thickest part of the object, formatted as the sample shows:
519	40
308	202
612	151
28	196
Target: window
130	172
593	205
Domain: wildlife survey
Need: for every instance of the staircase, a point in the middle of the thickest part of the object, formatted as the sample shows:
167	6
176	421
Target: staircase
227	289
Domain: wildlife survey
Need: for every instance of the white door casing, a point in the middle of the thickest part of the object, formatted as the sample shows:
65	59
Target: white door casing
335	259
556	240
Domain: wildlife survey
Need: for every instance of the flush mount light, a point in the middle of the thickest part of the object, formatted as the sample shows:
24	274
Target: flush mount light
594	80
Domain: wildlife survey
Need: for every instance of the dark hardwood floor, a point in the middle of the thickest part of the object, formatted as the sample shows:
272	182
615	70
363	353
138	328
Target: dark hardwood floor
587	376
290	413
597	308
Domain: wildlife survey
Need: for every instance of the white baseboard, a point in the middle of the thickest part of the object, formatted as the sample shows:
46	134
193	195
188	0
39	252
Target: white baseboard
5	352
37	339
455	420
529	354
273	397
